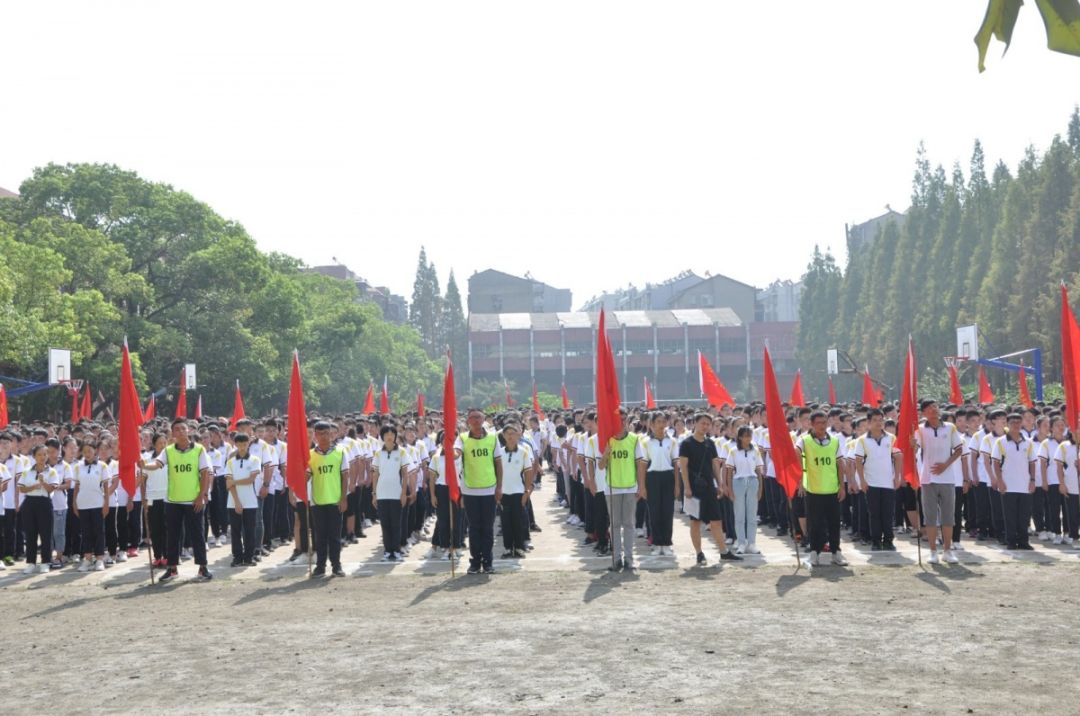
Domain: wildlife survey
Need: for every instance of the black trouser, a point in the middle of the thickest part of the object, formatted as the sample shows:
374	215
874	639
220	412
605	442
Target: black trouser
660	489
280	523
1053	509
1038	509
727	514
641	517
243	534
220	514
982	509
38	523
112	539
156	517
560	483
390	512
587	508
860	515
775	494
971	512
1072	515
601	518
353	501
442	520
301	513
481	512
132	532
367	510
997	517
823	516
73	533
269	507
958	512
327	521
1017	509
881	501
92	526
181	519
515	525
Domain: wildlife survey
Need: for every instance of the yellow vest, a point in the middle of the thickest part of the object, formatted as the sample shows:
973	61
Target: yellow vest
622	463
822	477
326	476
184	481
478	459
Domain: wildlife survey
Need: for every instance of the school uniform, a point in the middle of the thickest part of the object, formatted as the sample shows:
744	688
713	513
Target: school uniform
1053	502
14	465
242	526
745	465
156	484
59	499
441	538
329	473
997	514
92	479
1016	459
1066	459
515	523
183	488
479	458
936	445
37	512
661	455
387	465
217	512
876	456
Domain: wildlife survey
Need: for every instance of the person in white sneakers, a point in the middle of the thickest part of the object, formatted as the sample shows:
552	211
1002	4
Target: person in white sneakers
940	445
91	504
1048	478
36	486
1069	486
745	472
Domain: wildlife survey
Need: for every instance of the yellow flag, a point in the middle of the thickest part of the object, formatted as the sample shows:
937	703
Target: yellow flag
1062	20
999	22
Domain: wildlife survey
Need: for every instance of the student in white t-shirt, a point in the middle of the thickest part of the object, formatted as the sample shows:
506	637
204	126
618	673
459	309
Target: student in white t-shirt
877	464
62	463
390	491
439	494
91	505
1069	487
744	473
35	487
1014	459
518	467
241	471
1047	477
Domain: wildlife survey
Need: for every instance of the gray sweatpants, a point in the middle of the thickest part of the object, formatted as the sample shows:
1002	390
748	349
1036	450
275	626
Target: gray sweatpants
623	512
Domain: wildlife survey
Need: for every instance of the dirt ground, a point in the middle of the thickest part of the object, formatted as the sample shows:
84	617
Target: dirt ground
981	637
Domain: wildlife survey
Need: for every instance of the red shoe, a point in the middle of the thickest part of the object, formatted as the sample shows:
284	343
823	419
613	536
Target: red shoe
132	552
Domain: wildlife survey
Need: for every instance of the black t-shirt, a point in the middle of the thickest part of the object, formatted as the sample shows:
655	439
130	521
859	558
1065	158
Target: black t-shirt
699	458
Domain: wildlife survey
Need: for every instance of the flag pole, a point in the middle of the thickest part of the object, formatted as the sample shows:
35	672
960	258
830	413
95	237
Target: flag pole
791	527
450	511
311	535
149	536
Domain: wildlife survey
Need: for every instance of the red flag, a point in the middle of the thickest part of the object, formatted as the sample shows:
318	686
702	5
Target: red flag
1025	396
369	400
565	398
650	401
198	407
782	450
181	401
450	432
238	408
3	407
509	398
908	421
1070	361
130	418
536	404
797	398
419	404
86	410
986	396
832	392
711	387
384	398
151	410
297	441
870	395
74	405
956	396
609	422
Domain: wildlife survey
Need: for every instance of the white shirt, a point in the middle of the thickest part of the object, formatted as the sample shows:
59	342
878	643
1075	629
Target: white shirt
438	466
30	477
60	497
661	454
1048	450
14	466
157	481
1015	457
514	465
1066	455
936	446
274	451
877	460
388	465
242	468
744	462
92	480
593	453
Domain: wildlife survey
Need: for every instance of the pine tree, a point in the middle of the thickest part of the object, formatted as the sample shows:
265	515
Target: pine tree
817	311
1074	129
424	311
453	328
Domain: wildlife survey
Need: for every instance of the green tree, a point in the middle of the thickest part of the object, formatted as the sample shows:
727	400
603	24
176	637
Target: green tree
818	307
452	326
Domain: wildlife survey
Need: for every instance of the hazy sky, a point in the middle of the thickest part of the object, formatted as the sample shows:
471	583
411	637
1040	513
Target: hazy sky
594	144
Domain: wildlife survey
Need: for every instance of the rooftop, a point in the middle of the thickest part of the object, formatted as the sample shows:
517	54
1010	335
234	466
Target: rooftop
490	322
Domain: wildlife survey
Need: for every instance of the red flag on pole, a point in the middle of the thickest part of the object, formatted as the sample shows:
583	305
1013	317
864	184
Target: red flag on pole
711	387
784	457
565	398
369	399
3	407
151	410
956	396
509	398
908	421
797	398
297	442
74	405
238	408
607	389
181	400
870	395
86	410
536	404
986	396
198	407
419	404
1070	361
384	398
450	432
832	392
130	418
1025	396
650	401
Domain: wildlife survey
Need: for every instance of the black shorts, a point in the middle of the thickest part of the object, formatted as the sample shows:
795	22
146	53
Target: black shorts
709	505
908	498
798	506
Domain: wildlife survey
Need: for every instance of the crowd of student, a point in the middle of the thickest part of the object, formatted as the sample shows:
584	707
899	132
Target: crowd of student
985	473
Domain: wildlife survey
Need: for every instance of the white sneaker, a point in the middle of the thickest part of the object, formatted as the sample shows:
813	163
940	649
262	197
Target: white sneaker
121	556
43	568
1065	540
656	551
838	559
739	550
385	556
30	569
367	524
221	541
432	553
729	541
99	566
1057	539
811	559
84	566
951	557
933	558
752	549
957	547
640	531
1043	536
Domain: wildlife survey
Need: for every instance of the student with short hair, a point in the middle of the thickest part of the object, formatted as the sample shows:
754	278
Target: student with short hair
940	446
328	472
744	477
518	466
35	487
91	504
700	469
1014	459
242	469
389	491
877	465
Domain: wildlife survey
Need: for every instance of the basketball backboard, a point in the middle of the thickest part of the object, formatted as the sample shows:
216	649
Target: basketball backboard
59	365
832	363
967	342
189	376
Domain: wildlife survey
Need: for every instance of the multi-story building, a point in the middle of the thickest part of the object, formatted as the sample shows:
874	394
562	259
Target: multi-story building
861	236
394	307
493	291
779	302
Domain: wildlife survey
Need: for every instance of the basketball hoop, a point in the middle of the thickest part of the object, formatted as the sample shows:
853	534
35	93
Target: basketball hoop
954	361
73	386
